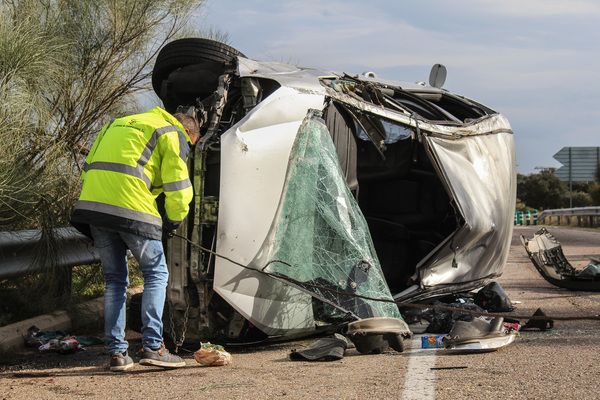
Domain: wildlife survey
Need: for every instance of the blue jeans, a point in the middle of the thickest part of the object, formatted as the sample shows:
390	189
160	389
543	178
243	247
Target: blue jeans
112	246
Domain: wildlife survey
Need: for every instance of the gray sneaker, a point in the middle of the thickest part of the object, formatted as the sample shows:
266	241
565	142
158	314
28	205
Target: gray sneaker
161	358
120	362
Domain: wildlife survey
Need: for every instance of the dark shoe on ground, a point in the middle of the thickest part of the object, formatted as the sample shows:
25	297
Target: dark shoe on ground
161	358
120	362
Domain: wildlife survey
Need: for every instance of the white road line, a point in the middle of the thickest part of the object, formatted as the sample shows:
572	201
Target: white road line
419	383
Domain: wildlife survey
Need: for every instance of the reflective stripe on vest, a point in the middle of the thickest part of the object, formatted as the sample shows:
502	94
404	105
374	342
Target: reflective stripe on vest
173	186
138	171
118	211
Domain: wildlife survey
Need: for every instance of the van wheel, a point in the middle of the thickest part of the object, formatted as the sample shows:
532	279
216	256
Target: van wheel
208	58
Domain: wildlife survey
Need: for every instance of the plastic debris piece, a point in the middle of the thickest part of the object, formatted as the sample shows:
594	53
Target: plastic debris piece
478	336
546	254
36	337
69	345
212	355
325	349
432	342
511	326
492	297
538	324
592	270
52	344
375	335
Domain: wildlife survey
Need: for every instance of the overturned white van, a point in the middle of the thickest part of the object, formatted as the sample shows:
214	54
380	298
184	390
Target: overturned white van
322	198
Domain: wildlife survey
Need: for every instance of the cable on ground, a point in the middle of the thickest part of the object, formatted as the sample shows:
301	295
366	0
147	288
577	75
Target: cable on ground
419	306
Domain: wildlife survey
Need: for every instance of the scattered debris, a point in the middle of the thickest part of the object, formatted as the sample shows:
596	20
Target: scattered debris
65	345
375	335
325	349
492	297
538	324
435	320
478	336
36	338
545	252
512	326
58	341
433	342
212	355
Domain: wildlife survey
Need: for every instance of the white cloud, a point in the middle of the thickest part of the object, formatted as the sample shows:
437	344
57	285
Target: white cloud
535	8
533	59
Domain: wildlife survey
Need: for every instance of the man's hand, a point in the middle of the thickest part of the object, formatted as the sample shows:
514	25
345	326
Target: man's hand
170	228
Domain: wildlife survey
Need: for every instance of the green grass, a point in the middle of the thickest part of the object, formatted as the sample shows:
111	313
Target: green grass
26	297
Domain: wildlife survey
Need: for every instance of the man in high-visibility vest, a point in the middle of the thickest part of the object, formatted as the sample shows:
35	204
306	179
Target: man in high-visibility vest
133	160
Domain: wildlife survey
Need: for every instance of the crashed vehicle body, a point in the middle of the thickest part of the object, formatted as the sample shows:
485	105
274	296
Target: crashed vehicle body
428	184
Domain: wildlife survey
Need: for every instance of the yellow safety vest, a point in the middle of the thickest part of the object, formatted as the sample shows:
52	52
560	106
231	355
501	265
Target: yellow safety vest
132	161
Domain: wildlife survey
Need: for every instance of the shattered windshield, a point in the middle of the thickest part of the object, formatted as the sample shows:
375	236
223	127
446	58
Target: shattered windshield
319	240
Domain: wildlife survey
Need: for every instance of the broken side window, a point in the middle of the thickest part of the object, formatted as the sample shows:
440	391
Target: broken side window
319	240
393	132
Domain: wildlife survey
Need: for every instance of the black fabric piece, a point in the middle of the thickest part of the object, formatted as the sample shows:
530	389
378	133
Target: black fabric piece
493	298
324	349
82	219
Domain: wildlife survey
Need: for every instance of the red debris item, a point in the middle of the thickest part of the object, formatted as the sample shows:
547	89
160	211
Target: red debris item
511	326
64	346
69	345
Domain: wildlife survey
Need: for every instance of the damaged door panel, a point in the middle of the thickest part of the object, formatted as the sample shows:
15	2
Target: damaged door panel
545	252
319	239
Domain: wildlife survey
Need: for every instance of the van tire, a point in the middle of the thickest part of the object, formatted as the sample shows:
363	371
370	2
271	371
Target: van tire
189	51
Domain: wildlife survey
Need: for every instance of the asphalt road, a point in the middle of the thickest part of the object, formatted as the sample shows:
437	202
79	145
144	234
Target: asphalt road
563	363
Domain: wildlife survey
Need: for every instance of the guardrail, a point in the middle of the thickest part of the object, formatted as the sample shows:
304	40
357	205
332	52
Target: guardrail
20	252
580	216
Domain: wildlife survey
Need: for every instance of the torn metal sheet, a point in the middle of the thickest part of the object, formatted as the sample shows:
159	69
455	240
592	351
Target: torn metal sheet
545	252
479	173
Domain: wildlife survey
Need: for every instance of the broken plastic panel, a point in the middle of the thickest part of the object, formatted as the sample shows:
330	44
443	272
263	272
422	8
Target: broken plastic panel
545	252
319	240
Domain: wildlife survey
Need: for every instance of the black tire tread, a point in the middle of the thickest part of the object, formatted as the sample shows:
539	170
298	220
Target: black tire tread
189	51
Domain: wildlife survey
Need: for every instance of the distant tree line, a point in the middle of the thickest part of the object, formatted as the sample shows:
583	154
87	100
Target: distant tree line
544	191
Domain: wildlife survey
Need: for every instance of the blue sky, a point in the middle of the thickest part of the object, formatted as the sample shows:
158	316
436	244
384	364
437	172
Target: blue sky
536	61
